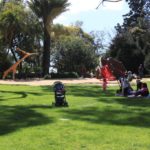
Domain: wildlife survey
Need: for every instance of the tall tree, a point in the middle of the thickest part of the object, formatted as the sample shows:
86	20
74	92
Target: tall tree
74	54
132	41
11	23
47	10
19	27
137	22
139	9
73	49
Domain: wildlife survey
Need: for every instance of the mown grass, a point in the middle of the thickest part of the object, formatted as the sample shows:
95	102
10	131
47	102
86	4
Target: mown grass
94	120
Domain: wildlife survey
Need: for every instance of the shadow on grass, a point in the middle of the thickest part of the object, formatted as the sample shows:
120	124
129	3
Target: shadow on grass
47	88
94	91
135	102
13	118
110	113
19	94
110	116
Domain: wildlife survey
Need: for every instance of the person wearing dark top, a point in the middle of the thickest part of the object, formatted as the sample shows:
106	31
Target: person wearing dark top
141	71
143	91
138	84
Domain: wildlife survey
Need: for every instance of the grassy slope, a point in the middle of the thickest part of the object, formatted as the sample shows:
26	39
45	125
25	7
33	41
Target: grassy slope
93	121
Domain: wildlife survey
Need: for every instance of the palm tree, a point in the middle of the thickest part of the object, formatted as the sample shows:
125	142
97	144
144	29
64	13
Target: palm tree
47	10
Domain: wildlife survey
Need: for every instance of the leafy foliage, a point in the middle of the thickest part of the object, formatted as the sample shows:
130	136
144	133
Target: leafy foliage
74	54
19	27
132	40
147	62
5	61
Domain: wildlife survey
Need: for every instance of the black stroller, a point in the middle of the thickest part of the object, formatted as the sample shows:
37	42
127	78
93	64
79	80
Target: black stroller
60	99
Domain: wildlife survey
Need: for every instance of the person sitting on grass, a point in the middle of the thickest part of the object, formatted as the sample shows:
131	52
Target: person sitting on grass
125	85
138	83
144	91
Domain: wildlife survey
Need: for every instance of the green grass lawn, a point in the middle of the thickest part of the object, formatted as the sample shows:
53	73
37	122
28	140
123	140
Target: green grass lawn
93	121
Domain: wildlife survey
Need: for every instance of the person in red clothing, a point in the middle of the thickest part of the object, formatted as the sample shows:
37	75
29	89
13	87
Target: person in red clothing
104	84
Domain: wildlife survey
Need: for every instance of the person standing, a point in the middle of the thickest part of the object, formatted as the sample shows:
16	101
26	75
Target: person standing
141	71
125	85
104	84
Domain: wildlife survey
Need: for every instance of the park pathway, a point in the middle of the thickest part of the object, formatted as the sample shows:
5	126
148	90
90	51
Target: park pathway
42	82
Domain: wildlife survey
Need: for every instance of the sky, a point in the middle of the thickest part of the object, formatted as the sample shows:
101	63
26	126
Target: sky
102	19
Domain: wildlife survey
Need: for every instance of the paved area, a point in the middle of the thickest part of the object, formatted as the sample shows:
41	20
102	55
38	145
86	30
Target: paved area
41	82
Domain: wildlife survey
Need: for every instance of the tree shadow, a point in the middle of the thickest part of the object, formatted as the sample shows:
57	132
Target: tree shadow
47	88
94	91
136	102
110	116
20	94
13	118
90	91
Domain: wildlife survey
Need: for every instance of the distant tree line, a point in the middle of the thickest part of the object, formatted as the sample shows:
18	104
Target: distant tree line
29	25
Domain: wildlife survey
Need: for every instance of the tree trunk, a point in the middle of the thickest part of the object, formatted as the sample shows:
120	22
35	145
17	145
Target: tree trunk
46	52
13	53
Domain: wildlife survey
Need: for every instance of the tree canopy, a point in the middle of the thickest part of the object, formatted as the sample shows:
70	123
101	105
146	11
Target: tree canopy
69	48
31	28
132	41
74	50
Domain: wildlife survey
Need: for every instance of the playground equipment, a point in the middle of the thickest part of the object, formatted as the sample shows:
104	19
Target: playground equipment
13	68
111	69
60	98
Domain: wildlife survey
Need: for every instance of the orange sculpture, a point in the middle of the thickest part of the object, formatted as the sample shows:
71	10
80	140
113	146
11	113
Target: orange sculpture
13	68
